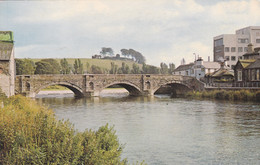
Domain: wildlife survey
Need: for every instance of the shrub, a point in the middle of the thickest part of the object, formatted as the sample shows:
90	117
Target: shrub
30	134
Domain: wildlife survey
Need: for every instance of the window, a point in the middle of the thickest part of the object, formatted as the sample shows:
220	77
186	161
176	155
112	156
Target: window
227	58
233	58
253	75
218	42
233	49
240	49
226	49
245	49
257	74
239	75
187	73
242	40
257	40
240	57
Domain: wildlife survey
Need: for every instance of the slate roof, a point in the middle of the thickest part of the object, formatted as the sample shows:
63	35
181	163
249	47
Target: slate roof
6	50
184	67
255	64
211	65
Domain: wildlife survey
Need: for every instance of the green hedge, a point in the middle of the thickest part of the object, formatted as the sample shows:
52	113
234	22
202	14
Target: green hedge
242	95
30	134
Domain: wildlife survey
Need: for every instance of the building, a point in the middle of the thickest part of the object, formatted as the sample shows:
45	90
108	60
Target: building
197	69
231	47
7	63
247	71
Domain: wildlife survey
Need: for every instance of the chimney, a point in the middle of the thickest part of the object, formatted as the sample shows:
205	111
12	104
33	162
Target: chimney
250	48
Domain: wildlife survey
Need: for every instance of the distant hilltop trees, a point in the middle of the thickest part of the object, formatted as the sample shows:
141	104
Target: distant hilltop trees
126	54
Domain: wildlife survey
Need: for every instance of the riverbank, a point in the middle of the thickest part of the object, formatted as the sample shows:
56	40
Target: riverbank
237	95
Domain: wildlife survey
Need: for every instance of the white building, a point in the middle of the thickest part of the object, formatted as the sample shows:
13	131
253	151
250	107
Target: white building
197	69
231	47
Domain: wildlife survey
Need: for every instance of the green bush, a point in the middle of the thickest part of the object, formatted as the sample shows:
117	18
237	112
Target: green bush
242	95
30	134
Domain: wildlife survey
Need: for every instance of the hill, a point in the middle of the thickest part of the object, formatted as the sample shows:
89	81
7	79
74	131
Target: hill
102	63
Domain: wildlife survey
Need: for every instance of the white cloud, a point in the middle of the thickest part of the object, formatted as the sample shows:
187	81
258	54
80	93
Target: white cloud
164	30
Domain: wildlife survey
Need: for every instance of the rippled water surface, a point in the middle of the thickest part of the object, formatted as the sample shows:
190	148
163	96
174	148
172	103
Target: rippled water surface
163	130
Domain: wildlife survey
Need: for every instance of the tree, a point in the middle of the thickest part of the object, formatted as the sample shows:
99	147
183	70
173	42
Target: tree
113	69
78	66
47	66
24	67
87	67
137	56
164	68
65	68
135	69
149	69
171	68
124	69
96	69
107	51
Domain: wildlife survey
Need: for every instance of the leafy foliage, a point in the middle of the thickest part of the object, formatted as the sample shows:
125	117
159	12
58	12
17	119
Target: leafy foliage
78	67
24	67
65	68
242	95
47	66
30	134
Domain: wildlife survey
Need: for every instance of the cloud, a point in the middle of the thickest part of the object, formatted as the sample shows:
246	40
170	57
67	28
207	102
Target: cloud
163	31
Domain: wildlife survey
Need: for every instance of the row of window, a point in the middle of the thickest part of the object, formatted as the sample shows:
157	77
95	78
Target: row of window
233	49
252	75
233	58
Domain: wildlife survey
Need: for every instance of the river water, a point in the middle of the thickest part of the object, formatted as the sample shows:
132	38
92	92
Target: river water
163	130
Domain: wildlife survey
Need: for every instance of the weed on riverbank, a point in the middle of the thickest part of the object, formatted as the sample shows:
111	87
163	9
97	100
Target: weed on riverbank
236	95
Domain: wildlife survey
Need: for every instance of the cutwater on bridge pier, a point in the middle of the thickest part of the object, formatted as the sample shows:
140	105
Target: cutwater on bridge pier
88	85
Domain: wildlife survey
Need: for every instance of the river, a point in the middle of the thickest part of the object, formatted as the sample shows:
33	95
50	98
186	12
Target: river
163	130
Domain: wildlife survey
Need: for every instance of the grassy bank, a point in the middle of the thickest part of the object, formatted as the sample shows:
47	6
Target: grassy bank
241	95
30	134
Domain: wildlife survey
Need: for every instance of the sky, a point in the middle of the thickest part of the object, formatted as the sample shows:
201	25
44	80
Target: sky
162	30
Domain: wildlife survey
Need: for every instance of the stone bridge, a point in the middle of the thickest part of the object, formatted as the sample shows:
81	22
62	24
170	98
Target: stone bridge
88	85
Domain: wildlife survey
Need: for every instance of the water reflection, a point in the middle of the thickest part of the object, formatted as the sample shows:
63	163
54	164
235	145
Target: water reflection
162	130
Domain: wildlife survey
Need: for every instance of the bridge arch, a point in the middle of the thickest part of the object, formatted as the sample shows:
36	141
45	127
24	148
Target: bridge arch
173	88
133	89
74	88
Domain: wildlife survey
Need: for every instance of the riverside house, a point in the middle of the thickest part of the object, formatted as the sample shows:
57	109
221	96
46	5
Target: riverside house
247	71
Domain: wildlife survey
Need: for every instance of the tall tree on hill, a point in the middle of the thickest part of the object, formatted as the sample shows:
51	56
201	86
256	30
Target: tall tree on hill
171	68
78	66
107	51
113	69
65	68
96	69
135	69
164	68
135	54
124	69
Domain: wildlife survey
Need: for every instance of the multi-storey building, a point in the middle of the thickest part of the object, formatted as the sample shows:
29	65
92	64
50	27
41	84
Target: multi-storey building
231	47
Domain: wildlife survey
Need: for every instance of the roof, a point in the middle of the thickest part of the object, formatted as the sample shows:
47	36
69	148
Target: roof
211	65
6	36
221	72
246	63
5	50
255	64
184	67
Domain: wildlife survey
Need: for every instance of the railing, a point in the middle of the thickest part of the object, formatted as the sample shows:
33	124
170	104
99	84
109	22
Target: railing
233	84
